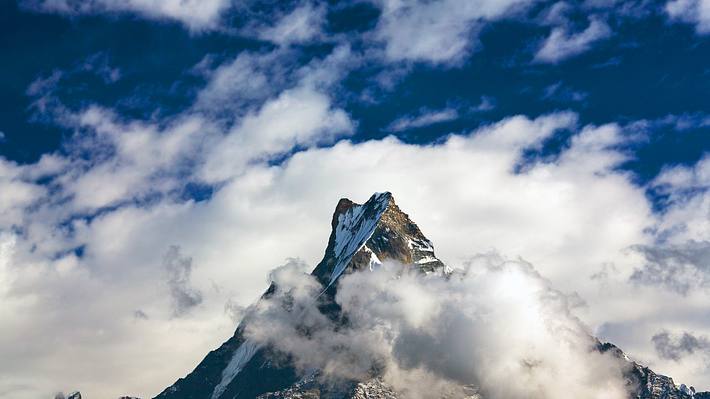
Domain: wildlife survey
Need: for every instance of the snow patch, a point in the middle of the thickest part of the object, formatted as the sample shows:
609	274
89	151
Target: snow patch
240	358
354	228
426	259
374	260
420	245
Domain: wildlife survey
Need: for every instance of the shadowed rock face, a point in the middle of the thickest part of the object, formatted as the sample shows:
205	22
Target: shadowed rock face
362	237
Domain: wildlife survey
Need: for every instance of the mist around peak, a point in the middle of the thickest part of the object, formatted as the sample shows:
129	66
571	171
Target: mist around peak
494	326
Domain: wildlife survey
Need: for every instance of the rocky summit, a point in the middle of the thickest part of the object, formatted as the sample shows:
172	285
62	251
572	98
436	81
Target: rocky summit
362	238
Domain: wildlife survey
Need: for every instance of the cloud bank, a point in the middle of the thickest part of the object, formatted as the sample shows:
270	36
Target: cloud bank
430	334
573	217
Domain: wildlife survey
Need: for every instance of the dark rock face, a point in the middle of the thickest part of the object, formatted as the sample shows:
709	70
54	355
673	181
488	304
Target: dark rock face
362	237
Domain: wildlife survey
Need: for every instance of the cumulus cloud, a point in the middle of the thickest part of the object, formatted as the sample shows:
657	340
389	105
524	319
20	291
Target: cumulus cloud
696	12
243	229
437	32
102	216
194	14
561	44
432	334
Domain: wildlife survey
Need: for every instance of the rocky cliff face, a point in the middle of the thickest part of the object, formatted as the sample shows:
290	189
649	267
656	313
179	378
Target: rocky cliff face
362	237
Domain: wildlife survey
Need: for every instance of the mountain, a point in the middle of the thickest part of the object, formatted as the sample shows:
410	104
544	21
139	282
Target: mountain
362	237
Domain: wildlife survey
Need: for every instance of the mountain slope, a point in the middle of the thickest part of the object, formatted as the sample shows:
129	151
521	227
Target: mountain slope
362	238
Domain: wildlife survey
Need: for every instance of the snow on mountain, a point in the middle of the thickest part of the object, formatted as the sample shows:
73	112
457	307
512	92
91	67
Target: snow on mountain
354	227
241	356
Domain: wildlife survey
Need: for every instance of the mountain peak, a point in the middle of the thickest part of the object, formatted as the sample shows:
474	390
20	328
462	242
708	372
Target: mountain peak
365	235
346	204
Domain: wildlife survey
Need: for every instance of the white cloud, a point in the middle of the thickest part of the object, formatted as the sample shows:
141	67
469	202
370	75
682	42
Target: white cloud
195	14
301	25
688	189
695	12
247	81
140	159
432	334
424	118
135	161
438	32
19	191
241	82
561	44
463	193
298	117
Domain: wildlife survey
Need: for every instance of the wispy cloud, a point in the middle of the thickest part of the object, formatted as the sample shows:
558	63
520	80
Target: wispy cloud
561	44
562	93
300	25
424	117
427	117
179	271
438	32
195	14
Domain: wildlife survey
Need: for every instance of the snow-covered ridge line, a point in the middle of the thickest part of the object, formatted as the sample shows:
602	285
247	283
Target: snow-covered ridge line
355	226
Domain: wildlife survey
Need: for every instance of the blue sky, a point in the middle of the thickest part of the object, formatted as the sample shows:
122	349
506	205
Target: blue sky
646	66
129	129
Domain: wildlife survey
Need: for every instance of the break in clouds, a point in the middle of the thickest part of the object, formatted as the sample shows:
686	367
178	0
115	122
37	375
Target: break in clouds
428	334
